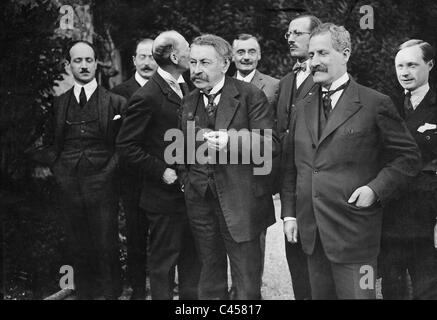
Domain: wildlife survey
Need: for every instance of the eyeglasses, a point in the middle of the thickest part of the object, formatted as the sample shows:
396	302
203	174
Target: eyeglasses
295	34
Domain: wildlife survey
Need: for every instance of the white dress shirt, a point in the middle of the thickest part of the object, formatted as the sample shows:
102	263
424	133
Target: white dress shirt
302	75
337	83
141	81
418	95
215	89
172	82
89	88
247	78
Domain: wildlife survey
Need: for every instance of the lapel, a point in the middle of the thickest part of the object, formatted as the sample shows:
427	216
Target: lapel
288	90
305	87
191	102
104	108
228	104
62	106
311	108
257	80
166	89
423	112
133	85
347	106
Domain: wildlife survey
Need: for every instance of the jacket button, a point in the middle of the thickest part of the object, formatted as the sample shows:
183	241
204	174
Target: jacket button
428	138
316	171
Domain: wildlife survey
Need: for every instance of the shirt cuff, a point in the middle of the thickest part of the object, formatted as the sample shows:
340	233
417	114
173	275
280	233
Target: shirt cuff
289	219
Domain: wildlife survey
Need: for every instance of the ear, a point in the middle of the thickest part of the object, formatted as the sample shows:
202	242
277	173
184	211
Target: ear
226	64
430	64
174	58
346	54
133	59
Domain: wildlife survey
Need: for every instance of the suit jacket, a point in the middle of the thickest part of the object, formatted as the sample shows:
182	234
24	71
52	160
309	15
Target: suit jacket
283	102
365	142
245	199
109	104
127	88
267	84
413	214
152	110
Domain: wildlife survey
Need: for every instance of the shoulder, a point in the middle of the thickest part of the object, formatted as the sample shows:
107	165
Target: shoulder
371	97
268	79
288	77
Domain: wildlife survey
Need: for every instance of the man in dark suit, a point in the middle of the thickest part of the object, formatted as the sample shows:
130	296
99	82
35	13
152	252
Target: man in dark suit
409	234
84	164
246	55
227	204
348	152
145	67
153	110
137	226
292	88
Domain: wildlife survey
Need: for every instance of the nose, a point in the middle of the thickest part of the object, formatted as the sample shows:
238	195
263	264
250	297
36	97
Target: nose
314	61
195	69
246	56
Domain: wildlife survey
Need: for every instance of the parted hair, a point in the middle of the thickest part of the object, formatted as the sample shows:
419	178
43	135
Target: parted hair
340	37
428	52
222	47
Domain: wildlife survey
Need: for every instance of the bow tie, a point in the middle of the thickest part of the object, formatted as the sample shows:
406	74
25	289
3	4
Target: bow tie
300	67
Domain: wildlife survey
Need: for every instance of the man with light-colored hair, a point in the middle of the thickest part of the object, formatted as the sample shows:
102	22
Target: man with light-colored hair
227	205
347	154
153	110
409	234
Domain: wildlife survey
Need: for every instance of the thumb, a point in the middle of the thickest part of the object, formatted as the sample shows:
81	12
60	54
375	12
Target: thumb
354	196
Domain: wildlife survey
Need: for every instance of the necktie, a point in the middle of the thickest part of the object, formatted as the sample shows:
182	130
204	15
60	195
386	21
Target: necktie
176	88
211	107
82	98
408	107
326	99
299	67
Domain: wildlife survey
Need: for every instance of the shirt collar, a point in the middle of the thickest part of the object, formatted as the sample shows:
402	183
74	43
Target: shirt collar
247	78
339	82
421	91
418	94
168	77
141	81
89	88
218	86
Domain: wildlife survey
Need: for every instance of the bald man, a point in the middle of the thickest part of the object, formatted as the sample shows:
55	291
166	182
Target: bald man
153	110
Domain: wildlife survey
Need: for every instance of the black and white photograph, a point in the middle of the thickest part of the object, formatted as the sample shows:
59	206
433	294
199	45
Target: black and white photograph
243	151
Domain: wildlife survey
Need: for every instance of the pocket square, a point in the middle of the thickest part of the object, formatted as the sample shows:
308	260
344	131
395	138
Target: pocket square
426	127
116	117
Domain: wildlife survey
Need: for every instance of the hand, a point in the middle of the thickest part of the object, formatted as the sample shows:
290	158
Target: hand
364	197
42	172
169	176
435	236
290	230
217	140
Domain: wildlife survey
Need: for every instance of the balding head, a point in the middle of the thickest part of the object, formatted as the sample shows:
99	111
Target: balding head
171	48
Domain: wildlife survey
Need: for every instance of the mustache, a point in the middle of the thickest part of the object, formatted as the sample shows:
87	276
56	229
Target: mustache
318	69
84	70
147	69
199	77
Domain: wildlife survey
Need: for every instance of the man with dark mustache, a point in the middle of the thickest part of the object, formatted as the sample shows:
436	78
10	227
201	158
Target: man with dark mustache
86	121
348	152
246	55
153	110
292	88
409	234
228	206
137	226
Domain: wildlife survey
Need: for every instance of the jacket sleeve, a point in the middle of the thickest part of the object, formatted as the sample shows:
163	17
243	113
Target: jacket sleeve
404	161
288	183
130	139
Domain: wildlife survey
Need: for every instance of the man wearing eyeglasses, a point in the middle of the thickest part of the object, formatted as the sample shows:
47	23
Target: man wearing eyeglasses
246	55
292	88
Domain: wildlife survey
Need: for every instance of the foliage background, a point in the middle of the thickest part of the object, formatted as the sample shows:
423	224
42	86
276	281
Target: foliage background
33	245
